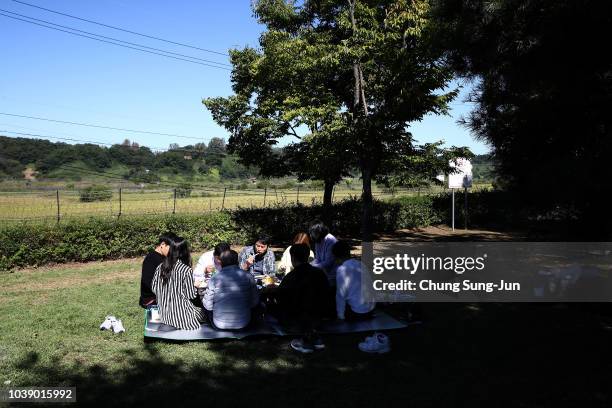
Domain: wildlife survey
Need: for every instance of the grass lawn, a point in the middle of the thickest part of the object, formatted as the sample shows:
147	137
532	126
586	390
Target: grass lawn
462	355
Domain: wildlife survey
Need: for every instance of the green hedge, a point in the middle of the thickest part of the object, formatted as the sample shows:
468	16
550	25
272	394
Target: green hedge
281	222
102	238
30	244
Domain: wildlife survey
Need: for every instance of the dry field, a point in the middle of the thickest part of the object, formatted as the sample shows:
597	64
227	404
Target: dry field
43	205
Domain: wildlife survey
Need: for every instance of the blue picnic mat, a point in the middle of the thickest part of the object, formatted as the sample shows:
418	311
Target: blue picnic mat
269	327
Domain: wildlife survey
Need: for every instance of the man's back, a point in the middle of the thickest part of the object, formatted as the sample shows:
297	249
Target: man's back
231	294
305	289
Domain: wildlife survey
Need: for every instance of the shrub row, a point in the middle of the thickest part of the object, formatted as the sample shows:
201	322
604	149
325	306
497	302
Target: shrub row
103	238
25	244
281	222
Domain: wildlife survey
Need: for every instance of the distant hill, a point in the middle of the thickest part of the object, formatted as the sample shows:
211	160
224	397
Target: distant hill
121	162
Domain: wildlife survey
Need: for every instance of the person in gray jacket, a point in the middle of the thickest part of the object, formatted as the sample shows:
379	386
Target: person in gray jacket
231	295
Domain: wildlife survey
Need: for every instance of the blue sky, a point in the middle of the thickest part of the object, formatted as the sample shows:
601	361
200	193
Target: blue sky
51	74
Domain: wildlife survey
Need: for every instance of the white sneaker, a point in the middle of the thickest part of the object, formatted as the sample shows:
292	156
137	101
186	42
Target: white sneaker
378	343
117	326
108	323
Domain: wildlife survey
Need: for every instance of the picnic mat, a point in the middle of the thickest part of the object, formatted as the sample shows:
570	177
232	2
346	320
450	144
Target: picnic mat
268	327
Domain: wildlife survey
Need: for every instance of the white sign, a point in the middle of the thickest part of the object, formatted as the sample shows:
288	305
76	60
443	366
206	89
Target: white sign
462	178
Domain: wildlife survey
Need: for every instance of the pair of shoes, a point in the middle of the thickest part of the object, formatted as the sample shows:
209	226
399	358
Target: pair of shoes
377	343
111	323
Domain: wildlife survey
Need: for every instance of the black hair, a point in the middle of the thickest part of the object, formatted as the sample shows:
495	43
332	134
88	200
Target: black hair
341	249
220	248
300	252
229	257
178	251
264	239
318	231
167	238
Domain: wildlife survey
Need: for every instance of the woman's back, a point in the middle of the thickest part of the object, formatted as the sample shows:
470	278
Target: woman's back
174	296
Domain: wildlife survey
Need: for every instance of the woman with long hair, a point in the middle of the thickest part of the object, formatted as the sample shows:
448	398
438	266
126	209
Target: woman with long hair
174	289
285	265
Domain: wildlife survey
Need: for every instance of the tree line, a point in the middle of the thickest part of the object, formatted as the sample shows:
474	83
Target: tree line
144	165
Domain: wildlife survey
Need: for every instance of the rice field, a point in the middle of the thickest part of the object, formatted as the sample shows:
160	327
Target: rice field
43	205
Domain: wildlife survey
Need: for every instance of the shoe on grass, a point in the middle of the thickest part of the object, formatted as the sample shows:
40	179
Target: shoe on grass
107	324
117	326
302	346
378	343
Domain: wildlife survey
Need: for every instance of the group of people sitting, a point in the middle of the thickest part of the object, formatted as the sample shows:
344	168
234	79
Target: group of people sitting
318	280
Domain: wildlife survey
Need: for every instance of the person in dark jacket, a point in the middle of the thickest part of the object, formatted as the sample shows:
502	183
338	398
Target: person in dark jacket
302	297
150	264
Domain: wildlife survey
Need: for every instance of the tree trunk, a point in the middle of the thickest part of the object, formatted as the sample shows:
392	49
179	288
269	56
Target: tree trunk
327	194
367	202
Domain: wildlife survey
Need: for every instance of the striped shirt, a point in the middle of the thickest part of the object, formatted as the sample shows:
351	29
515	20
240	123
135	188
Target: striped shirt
173	298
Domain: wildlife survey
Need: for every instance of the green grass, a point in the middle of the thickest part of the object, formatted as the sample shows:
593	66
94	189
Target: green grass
463	355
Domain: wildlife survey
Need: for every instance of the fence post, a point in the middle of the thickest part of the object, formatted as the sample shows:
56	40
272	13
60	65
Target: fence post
265	194
119	203
298	195
58	205
276	194
210	205
223	202
174	208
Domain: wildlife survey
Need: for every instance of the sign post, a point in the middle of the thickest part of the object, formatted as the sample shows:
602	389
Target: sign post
453	206
460	178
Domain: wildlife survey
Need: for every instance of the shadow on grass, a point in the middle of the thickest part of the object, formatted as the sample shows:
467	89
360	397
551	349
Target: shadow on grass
465	355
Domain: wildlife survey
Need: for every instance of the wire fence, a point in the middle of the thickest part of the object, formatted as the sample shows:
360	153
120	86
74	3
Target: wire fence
58	205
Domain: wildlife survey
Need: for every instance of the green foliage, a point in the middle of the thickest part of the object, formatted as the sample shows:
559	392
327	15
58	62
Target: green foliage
345	217
261	184
354	73
183	190
419	165
141	175
232	168
95	193
26	244
542	97
101	238
483	169
213	175
11	168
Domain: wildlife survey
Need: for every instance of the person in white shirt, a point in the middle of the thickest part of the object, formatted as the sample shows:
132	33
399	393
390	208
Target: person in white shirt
285	266
209	263
350	303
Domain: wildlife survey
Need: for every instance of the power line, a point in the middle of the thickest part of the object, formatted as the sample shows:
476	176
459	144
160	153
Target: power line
121	29
110	42
116	39
100	126
72	108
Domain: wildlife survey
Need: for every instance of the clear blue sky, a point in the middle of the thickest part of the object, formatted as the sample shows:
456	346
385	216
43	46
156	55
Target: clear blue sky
51	74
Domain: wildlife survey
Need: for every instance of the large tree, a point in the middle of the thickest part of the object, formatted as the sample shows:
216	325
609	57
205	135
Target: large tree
364	67
543	95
